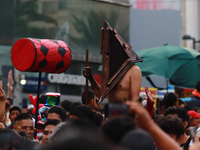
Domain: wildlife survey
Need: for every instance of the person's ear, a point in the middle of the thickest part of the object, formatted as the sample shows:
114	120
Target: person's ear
180	139
91	102
185	123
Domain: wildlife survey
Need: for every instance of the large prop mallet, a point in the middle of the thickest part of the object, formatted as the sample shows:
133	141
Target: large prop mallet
40	55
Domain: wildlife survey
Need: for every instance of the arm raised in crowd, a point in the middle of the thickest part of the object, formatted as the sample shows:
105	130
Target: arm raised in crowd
2	103
143	119
95	86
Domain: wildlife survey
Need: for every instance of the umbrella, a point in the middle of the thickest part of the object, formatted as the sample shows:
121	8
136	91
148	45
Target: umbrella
181	66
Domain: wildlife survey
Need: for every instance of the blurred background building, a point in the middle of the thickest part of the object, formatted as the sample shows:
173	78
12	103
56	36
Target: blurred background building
142	23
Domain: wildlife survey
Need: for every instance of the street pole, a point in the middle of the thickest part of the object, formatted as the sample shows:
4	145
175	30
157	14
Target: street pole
194	47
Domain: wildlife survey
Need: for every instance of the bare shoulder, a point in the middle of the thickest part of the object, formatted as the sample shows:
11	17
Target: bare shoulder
135	69
134	72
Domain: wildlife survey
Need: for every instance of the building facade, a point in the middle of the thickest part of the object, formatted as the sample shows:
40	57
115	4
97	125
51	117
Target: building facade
142	23
76	22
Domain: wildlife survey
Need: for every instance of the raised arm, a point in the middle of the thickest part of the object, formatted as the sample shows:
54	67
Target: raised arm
2	103
150	101
143	119
95	86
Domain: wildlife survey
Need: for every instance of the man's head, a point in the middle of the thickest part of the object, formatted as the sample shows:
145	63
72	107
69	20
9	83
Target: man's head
9	101
194	117
181	113
24	109
170	99
91	99
47	130
137	139
197	109
14	112
82	112
56	113
115	128
24	122
66	104
173	126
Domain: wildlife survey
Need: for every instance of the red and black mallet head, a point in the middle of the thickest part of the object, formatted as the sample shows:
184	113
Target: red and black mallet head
41	55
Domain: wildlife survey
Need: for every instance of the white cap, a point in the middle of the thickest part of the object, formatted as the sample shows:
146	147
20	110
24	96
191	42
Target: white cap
143	95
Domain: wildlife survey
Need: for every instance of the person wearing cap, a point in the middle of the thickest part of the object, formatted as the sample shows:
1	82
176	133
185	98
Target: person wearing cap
194	117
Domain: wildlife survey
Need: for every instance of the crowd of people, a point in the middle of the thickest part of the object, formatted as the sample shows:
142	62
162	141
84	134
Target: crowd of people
138	125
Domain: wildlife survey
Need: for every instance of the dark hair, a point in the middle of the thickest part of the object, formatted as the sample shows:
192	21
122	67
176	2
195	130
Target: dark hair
138	139
180	112
58	110
10	100
140	99
7	106
66	105
63	129
23	116
25	106
116	128
16	108
171	125
180	101
75	104
161	103
50	122
76	134
83	112
90	96
196	108
198	86
170	99
98	118
30	111
42	99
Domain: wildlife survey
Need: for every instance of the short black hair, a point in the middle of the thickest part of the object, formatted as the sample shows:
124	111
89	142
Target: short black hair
196	108
83	112
90	96
16	108
115	128
10	100
23	116
66	104
198	86
171	125
58	110
180	112
137	139
170	99
25	106
50	122
42	99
